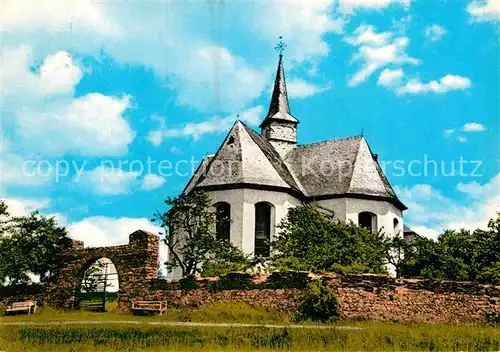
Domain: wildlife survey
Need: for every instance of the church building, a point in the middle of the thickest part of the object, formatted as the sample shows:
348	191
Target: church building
254	178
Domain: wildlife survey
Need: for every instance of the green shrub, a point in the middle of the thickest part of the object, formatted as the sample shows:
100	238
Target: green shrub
188	283
493	319
234	281
319	303
354	268
287	279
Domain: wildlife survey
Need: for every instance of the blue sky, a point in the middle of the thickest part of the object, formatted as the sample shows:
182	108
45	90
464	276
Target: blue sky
91	84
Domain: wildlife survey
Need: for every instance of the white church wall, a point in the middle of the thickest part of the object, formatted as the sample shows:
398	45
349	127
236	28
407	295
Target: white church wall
337	205
281	202
235	199
385	211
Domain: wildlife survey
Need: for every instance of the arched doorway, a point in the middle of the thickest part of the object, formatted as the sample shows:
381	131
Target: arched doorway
98	289
135	262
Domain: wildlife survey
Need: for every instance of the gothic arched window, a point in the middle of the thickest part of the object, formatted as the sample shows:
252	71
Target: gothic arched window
262	229
223	220
395	222
368	221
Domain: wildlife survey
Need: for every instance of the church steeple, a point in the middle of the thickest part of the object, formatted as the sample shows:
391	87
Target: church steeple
279	100
279	108
279	126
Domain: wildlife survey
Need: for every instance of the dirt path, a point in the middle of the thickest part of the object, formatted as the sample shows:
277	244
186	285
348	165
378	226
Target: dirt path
175	323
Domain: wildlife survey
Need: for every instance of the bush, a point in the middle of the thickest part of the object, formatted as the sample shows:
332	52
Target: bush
354	268
493	319
234	281
287	279
319	304
188	283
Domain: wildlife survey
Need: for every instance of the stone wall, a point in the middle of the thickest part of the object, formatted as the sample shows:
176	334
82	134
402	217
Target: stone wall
388	299
360	296
136	264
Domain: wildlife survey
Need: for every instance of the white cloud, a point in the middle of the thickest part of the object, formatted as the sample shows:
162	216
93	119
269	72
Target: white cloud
214	125
377	50
41	104
445	84
24	206
176	40
473	127
89	125
449	132
390	78
430	209
365	34
350	6
461	139
151	181
109	181
298	88
484	10
95	231
99	231
303	24
104	231
17	169
57	74
175	150
18	206
434	32
426	232
155	137
228	81
56	16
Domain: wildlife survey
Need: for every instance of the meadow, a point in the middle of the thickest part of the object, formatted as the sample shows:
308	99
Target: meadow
144	336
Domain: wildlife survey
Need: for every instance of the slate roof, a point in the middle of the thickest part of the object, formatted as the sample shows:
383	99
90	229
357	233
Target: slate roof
338	167
334	168
245	157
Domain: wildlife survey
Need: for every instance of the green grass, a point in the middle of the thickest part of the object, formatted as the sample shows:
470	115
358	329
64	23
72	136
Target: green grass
218	313
374	336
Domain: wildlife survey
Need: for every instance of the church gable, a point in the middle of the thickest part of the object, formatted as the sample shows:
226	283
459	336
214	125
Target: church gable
366	176
240	160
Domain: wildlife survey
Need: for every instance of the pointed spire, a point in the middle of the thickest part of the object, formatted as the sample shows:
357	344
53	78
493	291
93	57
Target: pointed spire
279	108
279	100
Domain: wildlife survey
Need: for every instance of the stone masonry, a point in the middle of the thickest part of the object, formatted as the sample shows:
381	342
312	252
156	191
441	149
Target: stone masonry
370	297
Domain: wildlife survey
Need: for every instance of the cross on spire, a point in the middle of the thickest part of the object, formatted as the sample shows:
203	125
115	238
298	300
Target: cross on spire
281	46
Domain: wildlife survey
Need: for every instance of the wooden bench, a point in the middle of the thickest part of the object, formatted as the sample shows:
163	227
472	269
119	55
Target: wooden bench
92	306
150	306
20	307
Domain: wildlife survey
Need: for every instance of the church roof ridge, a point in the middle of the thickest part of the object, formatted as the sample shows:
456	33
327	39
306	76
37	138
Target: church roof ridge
329	140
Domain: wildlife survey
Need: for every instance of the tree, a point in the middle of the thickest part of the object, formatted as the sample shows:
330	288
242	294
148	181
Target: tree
29	244
395	250
189	226
456	255
94	278
309	241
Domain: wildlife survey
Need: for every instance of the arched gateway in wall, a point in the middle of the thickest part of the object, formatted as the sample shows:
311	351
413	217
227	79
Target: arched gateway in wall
135	262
